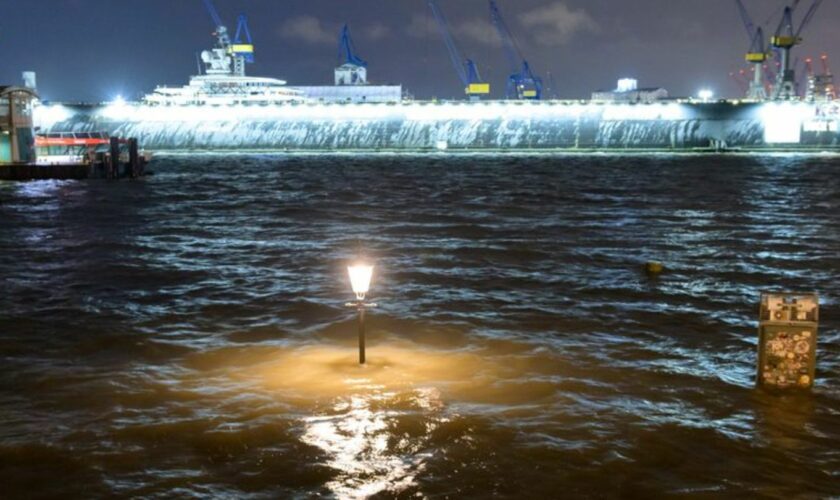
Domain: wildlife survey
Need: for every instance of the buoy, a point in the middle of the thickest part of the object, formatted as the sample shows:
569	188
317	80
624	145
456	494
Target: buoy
654	268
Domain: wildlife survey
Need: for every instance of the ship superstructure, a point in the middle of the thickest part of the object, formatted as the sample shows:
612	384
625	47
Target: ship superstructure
224	81
225	90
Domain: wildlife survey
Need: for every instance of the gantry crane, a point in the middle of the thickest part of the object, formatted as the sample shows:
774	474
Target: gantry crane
522	83
786	37
756	56
466	69
239	52
352	69
243	44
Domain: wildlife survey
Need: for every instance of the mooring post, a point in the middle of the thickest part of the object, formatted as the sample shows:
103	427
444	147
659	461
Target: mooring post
133	158
114	164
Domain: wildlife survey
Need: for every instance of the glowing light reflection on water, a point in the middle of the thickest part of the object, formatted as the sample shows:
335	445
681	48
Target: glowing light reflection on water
358	439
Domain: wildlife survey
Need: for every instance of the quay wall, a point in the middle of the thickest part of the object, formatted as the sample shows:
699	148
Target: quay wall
491	125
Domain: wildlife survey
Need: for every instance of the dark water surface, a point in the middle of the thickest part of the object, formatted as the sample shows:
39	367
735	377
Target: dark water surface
185	335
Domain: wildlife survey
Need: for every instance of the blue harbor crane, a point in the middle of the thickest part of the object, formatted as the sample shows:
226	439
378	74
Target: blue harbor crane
787	36
522	83
347	50
352	69
756	56
239	52
466	69
243	44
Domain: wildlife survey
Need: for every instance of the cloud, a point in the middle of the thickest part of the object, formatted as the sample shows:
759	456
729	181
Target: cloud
307	29
556	24
310	29
376	31
421	27
475	30
479	31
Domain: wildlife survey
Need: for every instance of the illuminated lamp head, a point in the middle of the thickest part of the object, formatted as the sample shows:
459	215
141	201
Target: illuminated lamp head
360	277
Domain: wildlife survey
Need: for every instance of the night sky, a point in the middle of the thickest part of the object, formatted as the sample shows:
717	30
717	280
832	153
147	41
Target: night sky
96	49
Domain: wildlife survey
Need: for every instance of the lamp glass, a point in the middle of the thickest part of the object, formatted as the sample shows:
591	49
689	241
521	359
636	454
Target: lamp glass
360	276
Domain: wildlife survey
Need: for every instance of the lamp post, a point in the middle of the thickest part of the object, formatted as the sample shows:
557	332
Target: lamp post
360	277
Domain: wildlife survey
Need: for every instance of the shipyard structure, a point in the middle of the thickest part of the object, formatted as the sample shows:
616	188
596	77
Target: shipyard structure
222	108
489	125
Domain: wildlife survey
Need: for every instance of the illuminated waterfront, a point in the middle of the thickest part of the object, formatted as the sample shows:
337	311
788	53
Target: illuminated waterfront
185	334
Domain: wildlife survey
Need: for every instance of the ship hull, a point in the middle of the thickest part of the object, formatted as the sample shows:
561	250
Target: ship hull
422	126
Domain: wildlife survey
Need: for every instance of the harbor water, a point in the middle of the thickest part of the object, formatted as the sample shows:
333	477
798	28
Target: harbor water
185	335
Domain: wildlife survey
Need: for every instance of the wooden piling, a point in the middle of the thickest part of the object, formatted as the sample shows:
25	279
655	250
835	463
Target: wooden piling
133	158
114	165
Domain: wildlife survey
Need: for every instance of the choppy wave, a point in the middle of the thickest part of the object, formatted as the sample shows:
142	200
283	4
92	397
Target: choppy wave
185	335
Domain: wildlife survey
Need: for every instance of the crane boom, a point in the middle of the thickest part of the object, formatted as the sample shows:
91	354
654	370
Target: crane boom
512	50
451	46
466	69
221	29
745	17
808	17
214	14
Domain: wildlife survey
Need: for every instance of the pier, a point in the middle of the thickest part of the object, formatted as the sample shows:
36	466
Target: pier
24	155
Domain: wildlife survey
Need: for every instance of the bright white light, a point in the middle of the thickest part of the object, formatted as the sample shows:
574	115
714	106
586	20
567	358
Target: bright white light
119	100
627	85
705	94
783	122
46	116
360	276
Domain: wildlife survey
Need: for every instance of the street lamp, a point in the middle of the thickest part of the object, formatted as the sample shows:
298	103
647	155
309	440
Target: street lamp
705	95
360	277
